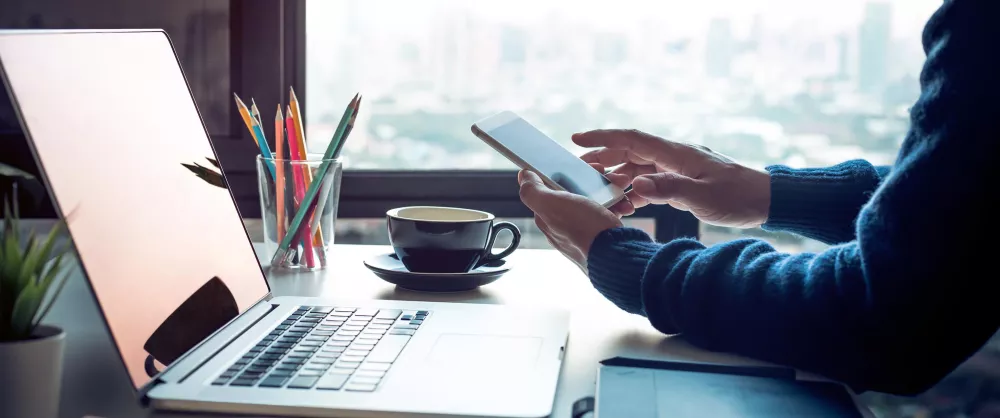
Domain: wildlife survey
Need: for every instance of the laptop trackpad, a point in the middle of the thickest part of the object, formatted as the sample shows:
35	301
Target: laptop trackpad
468	352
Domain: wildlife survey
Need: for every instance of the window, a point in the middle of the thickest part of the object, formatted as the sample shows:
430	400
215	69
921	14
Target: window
787	82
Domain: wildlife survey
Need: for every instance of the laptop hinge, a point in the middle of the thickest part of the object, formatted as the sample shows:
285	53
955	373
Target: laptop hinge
208	348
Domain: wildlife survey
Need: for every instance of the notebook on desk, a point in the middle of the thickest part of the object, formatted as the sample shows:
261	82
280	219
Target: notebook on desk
660	389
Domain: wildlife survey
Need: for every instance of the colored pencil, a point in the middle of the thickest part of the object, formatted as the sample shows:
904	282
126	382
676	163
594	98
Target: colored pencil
300	186
350	126
256	133
300	136
279	182
254	112
328	186
297	224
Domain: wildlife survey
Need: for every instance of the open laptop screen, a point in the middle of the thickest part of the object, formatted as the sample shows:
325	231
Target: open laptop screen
112	122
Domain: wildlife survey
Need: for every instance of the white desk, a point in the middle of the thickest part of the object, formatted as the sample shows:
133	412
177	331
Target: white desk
94	383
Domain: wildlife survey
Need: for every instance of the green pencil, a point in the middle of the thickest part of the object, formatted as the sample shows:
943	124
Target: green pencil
307	202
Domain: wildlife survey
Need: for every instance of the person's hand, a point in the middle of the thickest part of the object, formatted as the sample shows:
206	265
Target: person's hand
570	222
714	188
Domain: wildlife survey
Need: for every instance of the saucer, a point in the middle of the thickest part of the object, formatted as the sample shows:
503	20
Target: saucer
389	268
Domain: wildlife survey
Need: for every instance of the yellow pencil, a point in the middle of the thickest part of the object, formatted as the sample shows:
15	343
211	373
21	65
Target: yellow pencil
245	113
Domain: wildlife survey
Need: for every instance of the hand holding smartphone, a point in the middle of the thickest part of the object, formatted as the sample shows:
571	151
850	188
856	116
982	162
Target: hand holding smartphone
530	149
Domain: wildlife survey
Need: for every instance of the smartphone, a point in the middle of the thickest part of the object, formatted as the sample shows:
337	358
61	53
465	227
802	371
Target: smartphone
527	147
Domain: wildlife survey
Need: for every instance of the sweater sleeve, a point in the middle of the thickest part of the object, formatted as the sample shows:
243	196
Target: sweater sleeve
896	309
821	203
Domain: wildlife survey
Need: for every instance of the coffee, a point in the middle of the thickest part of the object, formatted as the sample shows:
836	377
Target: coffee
431	239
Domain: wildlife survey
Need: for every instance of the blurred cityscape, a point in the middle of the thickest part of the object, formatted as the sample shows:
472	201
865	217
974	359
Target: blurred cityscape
765	82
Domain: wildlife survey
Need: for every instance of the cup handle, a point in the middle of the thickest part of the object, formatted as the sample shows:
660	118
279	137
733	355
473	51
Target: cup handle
497	227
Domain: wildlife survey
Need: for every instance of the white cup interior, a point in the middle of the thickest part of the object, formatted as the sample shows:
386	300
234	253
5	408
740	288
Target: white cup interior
439	214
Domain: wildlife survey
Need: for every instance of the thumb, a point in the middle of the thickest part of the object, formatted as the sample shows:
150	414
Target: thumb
660	187
532	189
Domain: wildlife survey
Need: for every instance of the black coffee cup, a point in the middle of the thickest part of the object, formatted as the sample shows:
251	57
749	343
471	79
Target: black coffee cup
431	239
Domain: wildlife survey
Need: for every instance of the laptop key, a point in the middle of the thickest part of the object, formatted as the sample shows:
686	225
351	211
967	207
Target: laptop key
332	381
366	312
388	349
373	369
356	352
310	372
303	382
334	349
401	332
322	309
220	381
361	346
282	372
347	365
359	387
388	314
273	381
243	382
356	359
372	380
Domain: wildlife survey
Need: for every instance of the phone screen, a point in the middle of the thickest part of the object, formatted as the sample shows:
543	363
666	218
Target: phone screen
552	160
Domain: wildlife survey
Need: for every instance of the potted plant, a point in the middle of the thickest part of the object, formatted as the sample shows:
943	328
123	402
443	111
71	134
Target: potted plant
30	280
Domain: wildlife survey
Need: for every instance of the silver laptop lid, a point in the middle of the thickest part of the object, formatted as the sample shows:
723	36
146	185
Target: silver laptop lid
112	123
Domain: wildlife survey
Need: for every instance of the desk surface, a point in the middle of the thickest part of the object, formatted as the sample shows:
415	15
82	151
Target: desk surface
94	384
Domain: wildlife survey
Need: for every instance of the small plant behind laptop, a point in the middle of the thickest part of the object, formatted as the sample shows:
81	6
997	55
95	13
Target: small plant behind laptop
210	176
29	274
31	277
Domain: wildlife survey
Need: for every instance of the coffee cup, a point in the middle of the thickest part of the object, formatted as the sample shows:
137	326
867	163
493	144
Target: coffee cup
433	239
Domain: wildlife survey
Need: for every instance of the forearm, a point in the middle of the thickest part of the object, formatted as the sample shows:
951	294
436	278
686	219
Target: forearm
821	203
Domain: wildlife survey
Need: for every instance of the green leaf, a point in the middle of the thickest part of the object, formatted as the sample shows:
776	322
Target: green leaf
24	311
10	171
34	261
54	295
29	259
54	268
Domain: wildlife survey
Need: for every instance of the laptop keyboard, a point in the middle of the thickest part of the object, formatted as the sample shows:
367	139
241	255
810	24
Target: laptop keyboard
326	348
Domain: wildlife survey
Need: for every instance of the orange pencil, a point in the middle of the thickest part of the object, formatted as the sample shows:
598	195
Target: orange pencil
300	136
300	187
279	184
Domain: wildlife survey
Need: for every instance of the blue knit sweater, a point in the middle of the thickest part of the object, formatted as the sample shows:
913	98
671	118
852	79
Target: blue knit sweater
907	291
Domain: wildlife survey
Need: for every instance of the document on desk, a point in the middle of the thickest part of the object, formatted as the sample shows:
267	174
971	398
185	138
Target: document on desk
653	389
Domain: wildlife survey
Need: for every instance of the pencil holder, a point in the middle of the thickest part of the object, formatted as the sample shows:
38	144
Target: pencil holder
298	205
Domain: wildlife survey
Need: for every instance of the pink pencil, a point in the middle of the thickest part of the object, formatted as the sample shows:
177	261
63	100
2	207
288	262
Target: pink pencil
300	184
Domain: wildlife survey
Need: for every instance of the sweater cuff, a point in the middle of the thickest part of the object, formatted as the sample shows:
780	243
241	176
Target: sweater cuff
616	263
820	203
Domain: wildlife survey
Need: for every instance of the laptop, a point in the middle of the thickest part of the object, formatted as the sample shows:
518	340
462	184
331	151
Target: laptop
111	119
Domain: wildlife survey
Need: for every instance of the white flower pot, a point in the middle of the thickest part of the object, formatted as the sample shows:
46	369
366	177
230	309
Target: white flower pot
31	374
